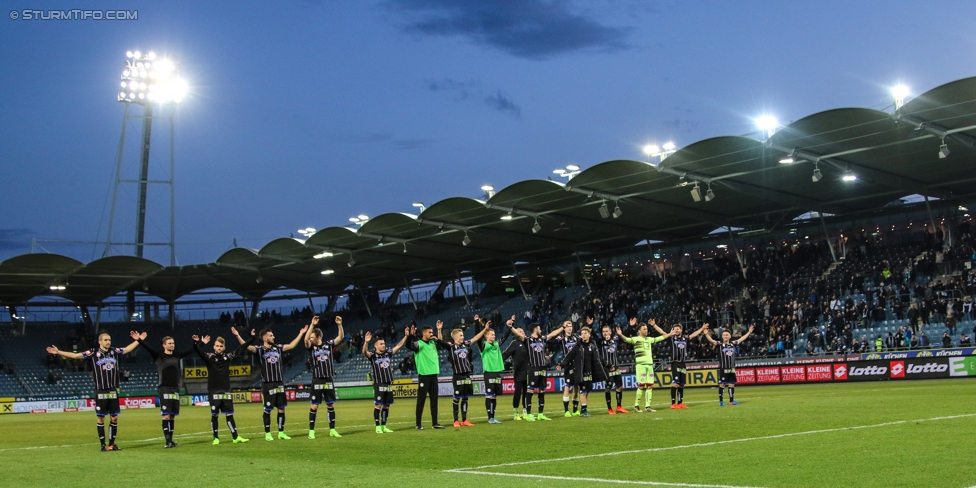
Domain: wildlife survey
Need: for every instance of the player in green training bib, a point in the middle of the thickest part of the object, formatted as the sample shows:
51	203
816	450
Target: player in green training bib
491	359
645	363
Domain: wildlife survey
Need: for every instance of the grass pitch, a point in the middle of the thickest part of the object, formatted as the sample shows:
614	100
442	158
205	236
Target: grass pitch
905	433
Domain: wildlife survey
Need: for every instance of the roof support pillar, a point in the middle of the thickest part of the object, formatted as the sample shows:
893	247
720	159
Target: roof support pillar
738	255
519	279
928	208
410	292
582	272
823	225
365	300
465	292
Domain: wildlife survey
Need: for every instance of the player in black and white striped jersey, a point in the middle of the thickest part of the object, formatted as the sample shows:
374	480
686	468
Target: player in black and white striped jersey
323	370
568	340
104	361
679	354
538	362
609	344
381	361
270	357
459	353
726	358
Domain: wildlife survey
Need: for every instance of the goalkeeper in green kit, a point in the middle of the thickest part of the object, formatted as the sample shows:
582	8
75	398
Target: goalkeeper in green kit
645	363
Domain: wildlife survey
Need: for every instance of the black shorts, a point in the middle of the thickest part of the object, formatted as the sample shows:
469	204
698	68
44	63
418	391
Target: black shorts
382	395
274	396
537	380
462	386
678	374
614	380
323	390
568	377
169	401
221	403
727	376
106	403
493	384
586	385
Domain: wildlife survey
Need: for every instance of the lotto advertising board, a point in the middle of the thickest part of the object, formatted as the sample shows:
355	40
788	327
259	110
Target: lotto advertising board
879	370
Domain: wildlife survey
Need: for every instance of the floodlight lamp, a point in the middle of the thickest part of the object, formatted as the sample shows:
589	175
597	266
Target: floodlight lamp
572	167
328	271
696	193
137	55
363	217
352	261
786	161
817	175
466	240
536	227
151	55
849	176
507	216
651	149
943	150
617	212
323	255
709	195
128	54
899	93
489	190
767	124
604	211
669	146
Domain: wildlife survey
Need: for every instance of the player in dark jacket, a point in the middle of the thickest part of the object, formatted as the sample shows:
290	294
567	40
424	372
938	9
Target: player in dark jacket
585	361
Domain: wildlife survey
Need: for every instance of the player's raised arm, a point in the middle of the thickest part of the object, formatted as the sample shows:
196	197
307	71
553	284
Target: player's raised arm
294	343
136	337
368	337
406	332
440	335
653	324
746	335
241	341
708	335
64	354
141	339
698	332
477	337
308	332
342	333
555	333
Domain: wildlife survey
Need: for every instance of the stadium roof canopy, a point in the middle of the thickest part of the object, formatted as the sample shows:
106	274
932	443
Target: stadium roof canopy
540	221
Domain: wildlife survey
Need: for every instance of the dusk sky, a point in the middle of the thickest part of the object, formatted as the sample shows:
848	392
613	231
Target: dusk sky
305	113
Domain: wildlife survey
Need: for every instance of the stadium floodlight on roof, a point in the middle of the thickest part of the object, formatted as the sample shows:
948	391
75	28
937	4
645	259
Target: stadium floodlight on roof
899	92
767	124
151	79
568	172
489	190
653	151
307	232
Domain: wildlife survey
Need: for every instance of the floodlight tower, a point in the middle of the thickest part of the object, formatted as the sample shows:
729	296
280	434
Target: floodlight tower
153	83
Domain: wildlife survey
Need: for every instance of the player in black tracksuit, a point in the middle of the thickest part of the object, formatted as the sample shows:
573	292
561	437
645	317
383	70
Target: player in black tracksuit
585	361
218	384
168	364
520	370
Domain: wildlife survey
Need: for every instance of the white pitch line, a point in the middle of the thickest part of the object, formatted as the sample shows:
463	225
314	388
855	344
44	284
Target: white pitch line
708	444
598	480
246	430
